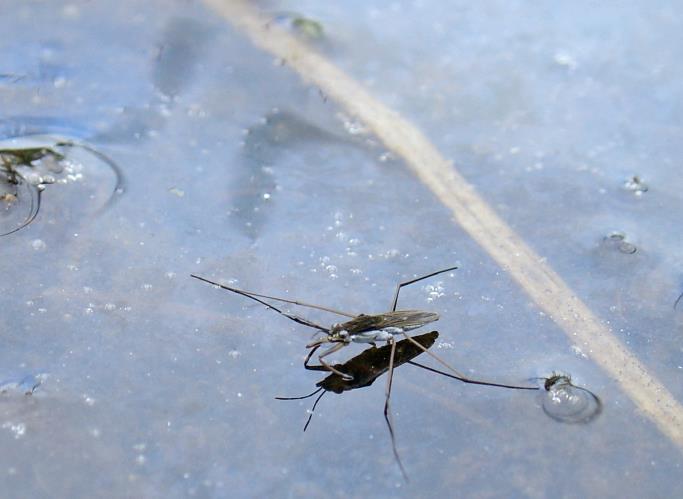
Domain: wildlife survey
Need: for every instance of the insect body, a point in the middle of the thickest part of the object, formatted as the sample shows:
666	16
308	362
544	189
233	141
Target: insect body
360	328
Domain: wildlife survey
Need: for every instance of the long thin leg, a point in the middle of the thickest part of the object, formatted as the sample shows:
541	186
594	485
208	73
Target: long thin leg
330	351
251	294
302	397
308	359
472	381
400	285
315	404
387	409
295	318
435	357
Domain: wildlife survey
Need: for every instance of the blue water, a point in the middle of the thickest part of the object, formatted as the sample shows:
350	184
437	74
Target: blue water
153	384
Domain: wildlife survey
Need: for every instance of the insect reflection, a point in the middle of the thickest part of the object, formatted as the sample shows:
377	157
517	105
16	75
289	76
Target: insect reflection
363	369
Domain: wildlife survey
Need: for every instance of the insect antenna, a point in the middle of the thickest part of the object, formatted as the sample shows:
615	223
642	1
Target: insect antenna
284	300
253	296
473	381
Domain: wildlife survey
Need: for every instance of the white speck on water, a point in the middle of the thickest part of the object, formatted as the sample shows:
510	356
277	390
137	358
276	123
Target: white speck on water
38	244
18	429
445	345
386	156
392	253
71	11
109	307
177	192
170	275
147	286
434	291
239	395
234	354
266	195
566	60
577	350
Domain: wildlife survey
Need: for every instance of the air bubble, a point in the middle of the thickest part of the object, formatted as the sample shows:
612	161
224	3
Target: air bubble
567	403
38	244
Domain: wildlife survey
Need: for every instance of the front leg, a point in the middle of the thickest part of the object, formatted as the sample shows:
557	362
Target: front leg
331	350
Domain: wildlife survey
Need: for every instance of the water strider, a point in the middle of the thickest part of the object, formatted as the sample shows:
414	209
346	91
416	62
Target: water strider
366	328
19	158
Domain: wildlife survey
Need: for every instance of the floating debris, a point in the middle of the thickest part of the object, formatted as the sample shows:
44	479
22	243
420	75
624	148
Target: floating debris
567	403
301	25
308	27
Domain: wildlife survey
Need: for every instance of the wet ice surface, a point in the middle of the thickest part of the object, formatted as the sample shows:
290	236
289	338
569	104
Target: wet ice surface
160	386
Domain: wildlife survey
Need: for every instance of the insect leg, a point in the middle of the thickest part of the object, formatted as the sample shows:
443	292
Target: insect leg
400	285
308	359
302	397
387	410
328	367
458	374
470	380
315	404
